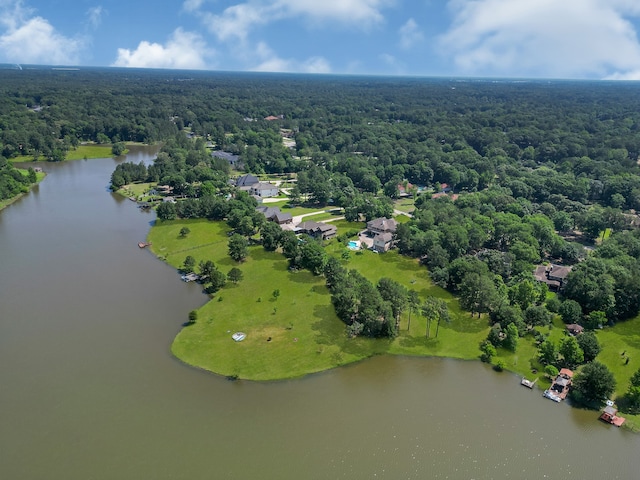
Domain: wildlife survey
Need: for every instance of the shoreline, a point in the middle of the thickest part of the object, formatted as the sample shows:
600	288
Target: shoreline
40	176
287	342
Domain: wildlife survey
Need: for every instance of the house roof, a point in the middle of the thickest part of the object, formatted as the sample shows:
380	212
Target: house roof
263	186
281	217
383	224
575	328
230	157
246	180
559	271
540	273
316	227
385	237
566	372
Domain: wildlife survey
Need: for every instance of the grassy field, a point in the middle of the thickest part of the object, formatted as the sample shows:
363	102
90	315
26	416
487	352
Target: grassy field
82	152
306	336
90	151
136	190
406	204
5	203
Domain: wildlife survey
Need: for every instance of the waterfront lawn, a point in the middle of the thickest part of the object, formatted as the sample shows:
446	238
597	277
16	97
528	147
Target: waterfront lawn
306	336
136	190
89	151
82	152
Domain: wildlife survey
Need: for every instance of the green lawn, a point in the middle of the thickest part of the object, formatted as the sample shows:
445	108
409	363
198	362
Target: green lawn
82	152
136	190
405	205
306	336
89	151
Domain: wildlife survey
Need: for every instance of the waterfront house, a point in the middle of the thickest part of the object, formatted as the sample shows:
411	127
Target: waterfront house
382	225
610	415
560	386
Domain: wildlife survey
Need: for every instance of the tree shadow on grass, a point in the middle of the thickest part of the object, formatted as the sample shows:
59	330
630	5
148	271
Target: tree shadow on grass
320	289
280	266
303	276
325	325
418	342
227	262
464	323
332	332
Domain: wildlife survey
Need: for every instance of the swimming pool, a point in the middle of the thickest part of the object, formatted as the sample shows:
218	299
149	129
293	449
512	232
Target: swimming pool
354	245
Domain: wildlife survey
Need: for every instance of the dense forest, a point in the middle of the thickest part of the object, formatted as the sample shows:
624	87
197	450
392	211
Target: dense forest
540	169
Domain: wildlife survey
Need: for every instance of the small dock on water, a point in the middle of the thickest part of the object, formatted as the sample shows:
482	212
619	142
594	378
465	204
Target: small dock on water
143	244
528	383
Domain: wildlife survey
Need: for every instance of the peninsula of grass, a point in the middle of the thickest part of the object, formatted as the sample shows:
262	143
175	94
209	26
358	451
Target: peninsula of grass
8	201
307	336
82	152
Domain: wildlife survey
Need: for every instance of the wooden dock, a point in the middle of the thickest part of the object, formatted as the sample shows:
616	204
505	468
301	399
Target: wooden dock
143	244
528	383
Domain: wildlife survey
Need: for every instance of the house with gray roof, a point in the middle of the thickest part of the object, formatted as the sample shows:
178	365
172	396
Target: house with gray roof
273	214
320	230
382	225
382	242
245	182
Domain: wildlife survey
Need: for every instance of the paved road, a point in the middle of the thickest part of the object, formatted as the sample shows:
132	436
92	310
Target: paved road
400	212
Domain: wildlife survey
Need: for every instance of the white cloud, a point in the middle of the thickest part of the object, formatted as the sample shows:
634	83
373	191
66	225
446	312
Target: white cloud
31	39
184	50
271	62
543	38
95	16
316	65
192	5
410	34
236	21
36	41
347	11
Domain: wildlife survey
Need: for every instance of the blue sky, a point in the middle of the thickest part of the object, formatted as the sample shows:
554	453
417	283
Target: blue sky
590	39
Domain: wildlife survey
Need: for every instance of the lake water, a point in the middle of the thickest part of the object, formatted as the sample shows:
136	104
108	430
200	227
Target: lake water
89	389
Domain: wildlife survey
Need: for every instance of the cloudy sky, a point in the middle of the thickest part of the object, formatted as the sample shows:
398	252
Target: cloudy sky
484	38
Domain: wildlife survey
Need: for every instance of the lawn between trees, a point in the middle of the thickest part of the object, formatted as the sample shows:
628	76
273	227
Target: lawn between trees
305	334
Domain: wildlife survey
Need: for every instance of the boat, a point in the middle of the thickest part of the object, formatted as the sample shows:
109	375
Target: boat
239	336
190	277
143	244
551	396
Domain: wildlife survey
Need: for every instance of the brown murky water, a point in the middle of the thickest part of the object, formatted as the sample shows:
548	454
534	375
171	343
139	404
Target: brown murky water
89	389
